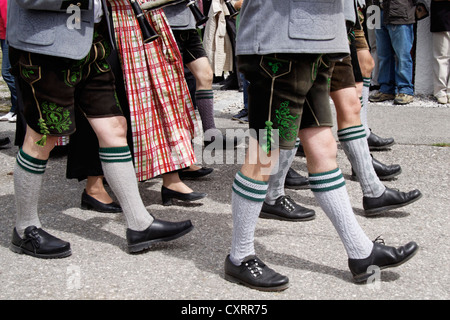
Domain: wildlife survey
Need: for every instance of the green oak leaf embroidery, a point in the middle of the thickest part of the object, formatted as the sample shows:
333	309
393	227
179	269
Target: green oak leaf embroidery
286	122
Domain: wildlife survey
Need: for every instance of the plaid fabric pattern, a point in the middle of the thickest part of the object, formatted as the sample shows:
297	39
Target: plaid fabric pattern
163	119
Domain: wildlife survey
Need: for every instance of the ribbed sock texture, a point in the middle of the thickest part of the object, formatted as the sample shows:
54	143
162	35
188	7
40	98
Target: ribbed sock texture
353	141
205	106
365	105
247	199
276	180
119	172
330	192
28	176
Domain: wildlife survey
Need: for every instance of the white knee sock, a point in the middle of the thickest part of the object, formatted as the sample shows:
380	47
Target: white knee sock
365	105
353	141
247	199
331	194
119	172
28	176
276	180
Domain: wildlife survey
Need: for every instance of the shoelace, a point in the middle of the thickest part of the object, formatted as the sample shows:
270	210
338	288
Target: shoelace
34	237
254	268
288	203
379	240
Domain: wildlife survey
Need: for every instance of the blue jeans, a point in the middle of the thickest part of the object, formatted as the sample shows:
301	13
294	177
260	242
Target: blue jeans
245	84
394	43
7	76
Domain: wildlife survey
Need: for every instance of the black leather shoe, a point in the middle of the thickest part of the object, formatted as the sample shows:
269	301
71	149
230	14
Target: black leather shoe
90	203
254	274
295	181
168	195
377	143
382	257
223	144
158	231
39	244
390	199
188	174
286	209
4	141
300	151
383	171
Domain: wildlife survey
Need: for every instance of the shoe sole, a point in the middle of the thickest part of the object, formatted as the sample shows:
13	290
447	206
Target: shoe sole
382	178
233	279
266	215
363	277
170	202
20	250
387	146
302	187
375	211
146	245
85	206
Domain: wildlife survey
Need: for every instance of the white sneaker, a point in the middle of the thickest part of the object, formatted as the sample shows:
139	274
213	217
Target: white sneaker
7	116
442	100
13	118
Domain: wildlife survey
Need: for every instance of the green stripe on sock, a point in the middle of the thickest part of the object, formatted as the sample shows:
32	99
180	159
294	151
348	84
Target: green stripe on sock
351	133
117	154
326	181
249	189
30	164
204	94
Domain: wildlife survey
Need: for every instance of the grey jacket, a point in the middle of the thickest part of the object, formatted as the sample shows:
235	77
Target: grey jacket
292	26
41	26
180	17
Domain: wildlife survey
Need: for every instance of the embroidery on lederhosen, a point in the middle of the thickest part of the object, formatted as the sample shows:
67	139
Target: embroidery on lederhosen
55	117
276	68
287	128
32	74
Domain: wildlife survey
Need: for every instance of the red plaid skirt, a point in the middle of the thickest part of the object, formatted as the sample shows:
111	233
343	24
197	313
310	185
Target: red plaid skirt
163	118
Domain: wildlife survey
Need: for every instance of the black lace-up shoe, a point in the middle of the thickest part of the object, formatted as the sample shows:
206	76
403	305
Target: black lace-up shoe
39	244
390	199
158	231
254	274
382	257
296	181
377	143
286	209
384	172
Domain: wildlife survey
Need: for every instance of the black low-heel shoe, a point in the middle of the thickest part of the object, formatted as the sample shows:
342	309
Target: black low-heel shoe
382	257
90	203
168	195
158	231
40	244
189	174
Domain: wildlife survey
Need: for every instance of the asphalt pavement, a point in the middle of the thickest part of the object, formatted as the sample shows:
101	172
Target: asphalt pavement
191	268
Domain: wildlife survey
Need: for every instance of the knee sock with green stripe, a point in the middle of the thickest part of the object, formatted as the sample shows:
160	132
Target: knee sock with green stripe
119	172
365	105
247	198
205	107
330	192
276	180
353	141
28	176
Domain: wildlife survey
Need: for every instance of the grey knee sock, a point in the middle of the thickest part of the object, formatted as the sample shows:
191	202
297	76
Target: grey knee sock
119	172
28	175
276	180
353	141
365	105
247	199
205	106
331	194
